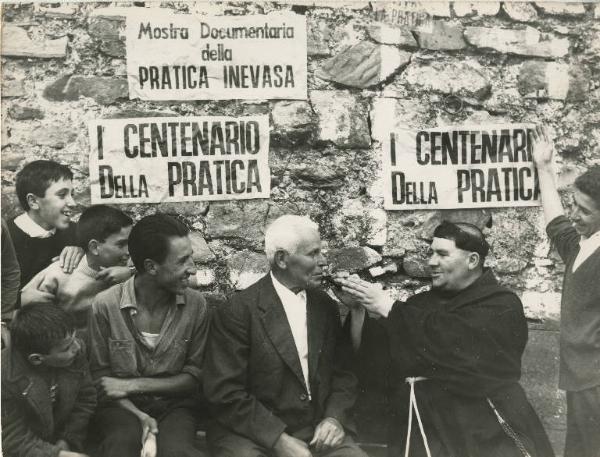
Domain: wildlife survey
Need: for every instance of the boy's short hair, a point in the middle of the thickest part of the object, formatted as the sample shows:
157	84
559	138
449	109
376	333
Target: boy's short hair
589	184
37	328
149	238
98	222
466	236
37	176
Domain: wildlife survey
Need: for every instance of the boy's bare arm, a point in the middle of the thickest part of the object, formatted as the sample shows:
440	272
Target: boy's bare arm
543	152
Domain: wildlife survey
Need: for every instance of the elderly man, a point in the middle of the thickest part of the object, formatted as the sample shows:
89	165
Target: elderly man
578	243
452	356
275	369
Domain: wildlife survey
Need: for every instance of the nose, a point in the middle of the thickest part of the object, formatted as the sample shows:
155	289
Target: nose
321	260
70	200
190	267
433	260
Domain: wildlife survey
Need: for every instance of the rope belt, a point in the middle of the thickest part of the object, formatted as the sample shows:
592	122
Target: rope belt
509	431
413	405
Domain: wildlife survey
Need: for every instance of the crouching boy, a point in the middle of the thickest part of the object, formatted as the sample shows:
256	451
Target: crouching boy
47	393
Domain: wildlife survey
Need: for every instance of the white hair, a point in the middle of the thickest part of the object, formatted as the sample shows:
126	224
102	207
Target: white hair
286	233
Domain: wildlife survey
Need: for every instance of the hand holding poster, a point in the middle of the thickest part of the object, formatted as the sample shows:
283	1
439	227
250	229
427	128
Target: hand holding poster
176	159
479	166
188	57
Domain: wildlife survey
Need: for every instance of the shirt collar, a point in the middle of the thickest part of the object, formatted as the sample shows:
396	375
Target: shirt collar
590	243
128	297
284	292
32	228
591	240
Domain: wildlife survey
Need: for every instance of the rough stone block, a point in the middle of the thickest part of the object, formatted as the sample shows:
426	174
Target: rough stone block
520	11
9	202
205	277
416	266
462	9
16	43
561	8
106	28
363	65
362	222
55	135
291	115
246	267
352	259
553	80
104	89
114	48
387	34
13	88
436	8
478	217
391	113
342	119
24	112
111	12
526	42
62	11
464	77
319	35
202	252
238	219
317	169
442	36
184	208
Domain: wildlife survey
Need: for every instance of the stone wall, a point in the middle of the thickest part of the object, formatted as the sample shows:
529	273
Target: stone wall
63	64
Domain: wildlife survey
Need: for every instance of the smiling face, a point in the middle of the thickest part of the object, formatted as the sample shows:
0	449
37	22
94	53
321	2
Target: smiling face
585	214
114	250
303	269
452	268
55	208
174	272
62	354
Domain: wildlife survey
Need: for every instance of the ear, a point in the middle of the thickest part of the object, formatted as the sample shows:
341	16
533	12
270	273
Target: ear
473	260
281	259
35	359
93	246
32	201
150	266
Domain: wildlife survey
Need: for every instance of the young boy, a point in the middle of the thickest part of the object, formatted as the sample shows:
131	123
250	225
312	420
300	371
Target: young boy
47	392
45	230
102	232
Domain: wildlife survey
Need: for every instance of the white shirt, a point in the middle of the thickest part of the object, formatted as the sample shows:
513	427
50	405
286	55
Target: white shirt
294	306
32	228
587	246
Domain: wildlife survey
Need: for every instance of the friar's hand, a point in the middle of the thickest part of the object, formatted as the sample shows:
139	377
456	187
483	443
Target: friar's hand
347	299
370	295
328	434
543	148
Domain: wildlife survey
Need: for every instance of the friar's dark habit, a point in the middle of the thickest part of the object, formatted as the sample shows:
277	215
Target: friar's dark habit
469	346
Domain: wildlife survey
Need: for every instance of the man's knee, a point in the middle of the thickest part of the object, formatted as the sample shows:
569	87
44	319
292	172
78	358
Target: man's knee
120	444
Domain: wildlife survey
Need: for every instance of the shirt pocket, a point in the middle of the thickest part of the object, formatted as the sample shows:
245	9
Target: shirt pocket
122	357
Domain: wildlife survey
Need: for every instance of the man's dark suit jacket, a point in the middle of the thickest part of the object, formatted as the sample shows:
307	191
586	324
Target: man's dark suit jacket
253	376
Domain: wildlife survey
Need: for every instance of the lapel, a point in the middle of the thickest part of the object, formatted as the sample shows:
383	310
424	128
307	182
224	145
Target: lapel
277	327
33	389
316	319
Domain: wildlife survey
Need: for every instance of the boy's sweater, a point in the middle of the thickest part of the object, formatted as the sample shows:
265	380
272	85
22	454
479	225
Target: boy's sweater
35	254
